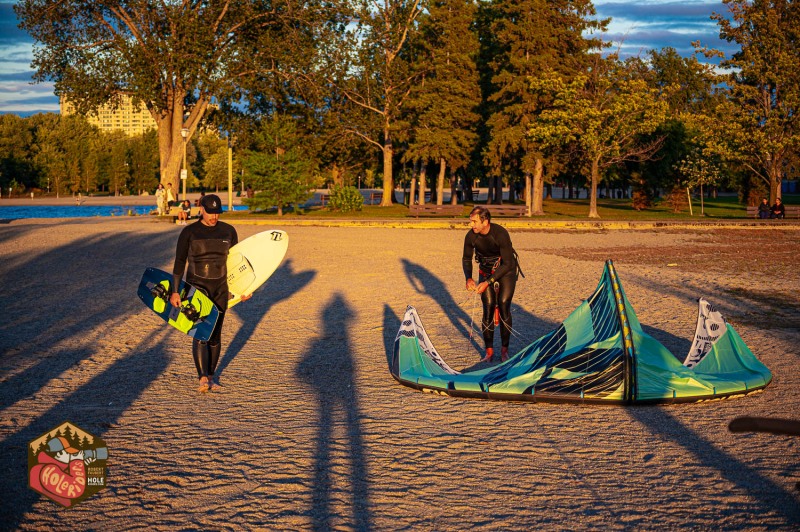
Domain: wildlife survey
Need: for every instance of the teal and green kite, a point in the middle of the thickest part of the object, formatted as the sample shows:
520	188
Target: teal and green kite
599	354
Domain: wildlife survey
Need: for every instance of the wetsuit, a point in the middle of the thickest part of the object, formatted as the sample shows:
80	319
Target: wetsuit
497	263
206	249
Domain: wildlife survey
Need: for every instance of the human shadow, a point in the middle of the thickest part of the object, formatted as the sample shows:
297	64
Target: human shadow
283	284
95	407
526	327
748	479
328	370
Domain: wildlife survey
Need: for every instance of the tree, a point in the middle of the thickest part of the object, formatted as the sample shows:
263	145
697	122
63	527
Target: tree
531	36
444	104
762	112
371	70
605	114
280	170
173	57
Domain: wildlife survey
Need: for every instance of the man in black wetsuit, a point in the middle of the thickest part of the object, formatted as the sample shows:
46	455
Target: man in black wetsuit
497	270
205	244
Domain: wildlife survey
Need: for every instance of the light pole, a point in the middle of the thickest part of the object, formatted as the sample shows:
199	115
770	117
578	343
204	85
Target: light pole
230	173
184	171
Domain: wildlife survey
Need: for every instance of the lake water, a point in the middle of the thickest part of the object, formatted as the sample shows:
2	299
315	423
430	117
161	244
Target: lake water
80	211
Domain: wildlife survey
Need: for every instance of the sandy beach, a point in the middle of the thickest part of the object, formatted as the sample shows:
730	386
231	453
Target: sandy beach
311	431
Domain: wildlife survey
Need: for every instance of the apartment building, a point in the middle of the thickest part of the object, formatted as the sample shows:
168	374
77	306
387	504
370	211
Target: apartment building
127	118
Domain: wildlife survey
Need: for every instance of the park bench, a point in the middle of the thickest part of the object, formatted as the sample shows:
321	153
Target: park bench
435	210
173	213
507	210
375	197
324	198
792	211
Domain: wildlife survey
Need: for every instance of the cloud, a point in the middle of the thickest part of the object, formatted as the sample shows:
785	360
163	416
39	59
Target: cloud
639	26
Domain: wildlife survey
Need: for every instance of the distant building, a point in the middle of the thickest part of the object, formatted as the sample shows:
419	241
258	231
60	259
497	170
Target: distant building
127	118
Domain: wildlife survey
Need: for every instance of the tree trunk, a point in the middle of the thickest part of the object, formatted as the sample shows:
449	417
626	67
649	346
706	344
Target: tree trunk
593	193
453	186
423	171
537	205
528	194
171	144
775	181
388	180
440	181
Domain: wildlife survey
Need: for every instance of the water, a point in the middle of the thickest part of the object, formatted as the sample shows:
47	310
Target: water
81	211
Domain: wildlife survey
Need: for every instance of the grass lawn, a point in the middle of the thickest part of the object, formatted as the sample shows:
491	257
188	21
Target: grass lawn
722	208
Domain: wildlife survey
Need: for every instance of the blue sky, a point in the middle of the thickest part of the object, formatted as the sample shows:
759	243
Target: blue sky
637	26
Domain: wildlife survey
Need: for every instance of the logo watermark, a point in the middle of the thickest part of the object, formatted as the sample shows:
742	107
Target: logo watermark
67	464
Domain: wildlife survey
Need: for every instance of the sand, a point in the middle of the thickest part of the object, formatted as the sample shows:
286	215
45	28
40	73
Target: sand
312	432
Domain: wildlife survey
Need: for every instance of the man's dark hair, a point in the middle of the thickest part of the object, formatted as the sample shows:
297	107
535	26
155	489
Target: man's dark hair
482	212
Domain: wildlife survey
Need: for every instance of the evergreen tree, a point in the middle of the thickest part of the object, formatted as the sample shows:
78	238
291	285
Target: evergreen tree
444	103
279	168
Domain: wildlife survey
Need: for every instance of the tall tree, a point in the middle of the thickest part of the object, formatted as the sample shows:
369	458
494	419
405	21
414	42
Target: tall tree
532	36
762	113
173	57
606	115
372	70
444	104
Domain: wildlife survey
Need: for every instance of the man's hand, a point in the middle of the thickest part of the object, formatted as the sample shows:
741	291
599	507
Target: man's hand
175	299
481	288
471	284
245	298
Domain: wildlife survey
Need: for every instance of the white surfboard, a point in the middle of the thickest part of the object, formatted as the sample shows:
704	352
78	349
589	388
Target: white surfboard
253	260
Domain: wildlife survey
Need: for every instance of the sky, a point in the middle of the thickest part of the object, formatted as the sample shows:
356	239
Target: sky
636	27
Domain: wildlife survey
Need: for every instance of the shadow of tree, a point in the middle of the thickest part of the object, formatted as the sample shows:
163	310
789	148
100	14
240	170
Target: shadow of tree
284	283
328	370
96	406
68	307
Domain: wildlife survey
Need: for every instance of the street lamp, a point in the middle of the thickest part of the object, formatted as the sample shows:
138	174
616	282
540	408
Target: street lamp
230	173
184	171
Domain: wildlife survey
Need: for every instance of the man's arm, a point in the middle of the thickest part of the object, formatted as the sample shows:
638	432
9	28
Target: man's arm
181	255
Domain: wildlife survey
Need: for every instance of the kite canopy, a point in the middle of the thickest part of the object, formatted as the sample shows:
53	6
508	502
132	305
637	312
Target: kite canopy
599	354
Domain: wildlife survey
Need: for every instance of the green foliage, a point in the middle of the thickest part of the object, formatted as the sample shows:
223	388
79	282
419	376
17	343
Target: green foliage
443	108
531	37
279	169
605	116
762	110
345	199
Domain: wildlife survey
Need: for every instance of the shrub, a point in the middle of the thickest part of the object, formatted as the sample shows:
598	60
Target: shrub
345	199
677	199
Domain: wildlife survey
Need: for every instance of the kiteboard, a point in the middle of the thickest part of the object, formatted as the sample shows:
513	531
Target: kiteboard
197	314
253	260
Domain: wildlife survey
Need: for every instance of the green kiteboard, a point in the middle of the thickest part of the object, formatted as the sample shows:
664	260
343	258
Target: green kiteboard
197	314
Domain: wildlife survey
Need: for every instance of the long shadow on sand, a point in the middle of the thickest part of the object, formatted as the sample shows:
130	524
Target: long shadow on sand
48	305
744	477
47	310
328	370
283	284
95	407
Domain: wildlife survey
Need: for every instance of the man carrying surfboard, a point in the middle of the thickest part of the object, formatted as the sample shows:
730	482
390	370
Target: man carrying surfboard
205	245
497	276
